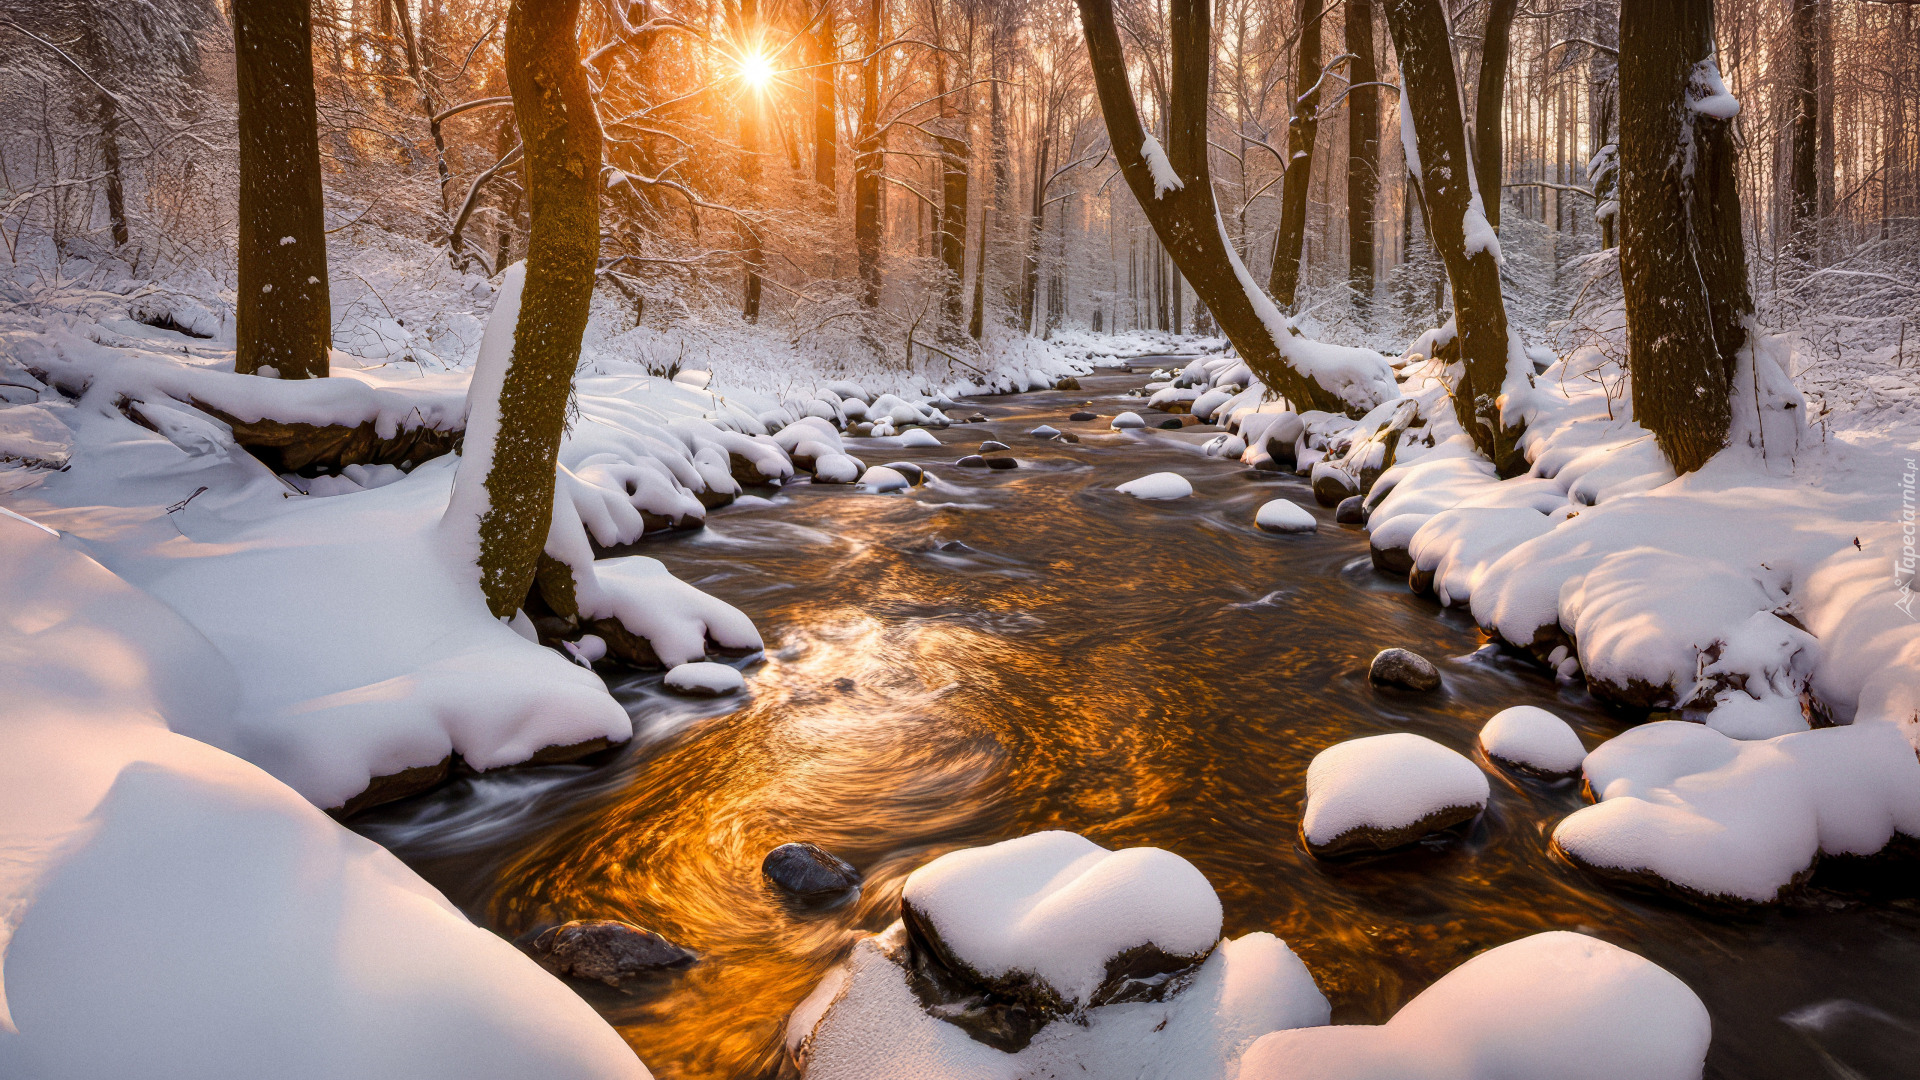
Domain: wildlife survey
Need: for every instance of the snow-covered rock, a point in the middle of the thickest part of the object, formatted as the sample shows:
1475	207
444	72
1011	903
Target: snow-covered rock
884	478
1039	918
916	437
169	910
1158	486
704	678
1529	739
1284	516
1127	421
1556	1005
1386	791
1686	809
836	469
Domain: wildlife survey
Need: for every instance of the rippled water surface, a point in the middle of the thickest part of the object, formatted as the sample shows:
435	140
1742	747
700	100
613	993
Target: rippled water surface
1142	673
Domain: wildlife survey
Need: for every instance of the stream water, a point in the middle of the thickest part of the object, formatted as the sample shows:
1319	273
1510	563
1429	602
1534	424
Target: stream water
1142	673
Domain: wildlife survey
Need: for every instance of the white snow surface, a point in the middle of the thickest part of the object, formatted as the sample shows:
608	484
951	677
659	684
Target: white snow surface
1059	906
1553	1006
705	676
169	910
864	1023
1740	819
1126	421
881	478
1284	515
1165	179
1531	736
1386	782
1158	486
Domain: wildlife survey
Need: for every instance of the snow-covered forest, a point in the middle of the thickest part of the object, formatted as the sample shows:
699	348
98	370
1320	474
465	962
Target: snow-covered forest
1257	539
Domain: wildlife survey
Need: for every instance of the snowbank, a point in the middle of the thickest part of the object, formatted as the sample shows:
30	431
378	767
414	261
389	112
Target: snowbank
168	910
1558	1005
1386	791
1684	808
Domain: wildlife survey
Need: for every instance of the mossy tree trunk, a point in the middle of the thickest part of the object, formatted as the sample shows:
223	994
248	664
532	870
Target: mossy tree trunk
283	317
561	133
1419	29
1682	259
1184	218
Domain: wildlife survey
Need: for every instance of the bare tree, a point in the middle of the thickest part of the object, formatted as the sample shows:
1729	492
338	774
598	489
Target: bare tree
1682	257
867	160
1489	154
1363	151
1303	130
1175	192
1458	229
283	318
561	132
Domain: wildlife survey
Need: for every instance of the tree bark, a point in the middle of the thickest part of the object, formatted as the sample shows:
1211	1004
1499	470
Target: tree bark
752	137
283	317
825	124
1363	152
867	162
1419	29
997	171
1303	130
953	126
1803	130
1036	223
1185	218
1488	151
558	126
1682	257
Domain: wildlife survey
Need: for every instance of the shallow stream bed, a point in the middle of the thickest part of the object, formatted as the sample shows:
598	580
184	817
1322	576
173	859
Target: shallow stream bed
1145	673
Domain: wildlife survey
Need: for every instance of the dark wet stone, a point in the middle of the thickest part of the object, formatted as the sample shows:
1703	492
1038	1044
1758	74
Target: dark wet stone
977	418
956	546
1002	463
915	474
972	461
808	870
1333	487
1068	383
1084	415
607	950
1405	669
1351	511
1170	425
991	445
1068	436
1371	840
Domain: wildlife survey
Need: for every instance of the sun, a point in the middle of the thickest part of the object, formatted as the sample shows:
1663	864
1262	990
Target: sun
756	71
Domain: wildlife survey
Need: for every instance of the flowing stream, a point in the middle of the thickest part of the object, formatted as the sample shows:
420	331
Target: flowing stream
1000	652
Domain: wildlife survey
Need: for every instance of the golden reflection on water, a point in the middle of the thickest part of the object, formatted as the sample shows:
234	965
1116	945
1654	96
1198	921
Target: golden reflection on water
1141	673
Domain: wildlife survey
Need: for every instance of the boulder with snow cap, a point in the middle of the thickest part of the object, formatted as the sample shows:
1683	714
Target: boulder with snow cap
1387	791
1532	741
915	474
1127	421
1158	486
1283	516
882	478
1035	928
704	678
1332	484
1689	812
1553	1006
837	469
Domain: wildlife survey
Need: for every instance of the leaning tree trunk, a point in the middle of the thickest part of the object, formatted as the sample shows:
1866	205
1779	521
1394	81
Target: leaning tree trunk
283	317
1457	228
1175	192
554	108
1682	258
1363	152
1488	153
867	163
1303	130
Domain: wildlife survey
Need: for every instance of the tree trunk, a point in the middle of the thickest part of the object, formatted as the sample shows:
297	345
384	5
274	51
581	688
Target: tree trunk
1036	222
824	118
107	115
1457	227
1682	257
1183	214
953	127
867	162
283	317
1803	130
1303	130
1363	152
997	171
555	111
1488	152
752	137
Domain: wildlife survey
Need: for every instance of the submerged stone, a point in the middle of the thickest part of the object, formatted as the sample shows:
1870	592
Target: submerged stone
808	870
605	950
1405	669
